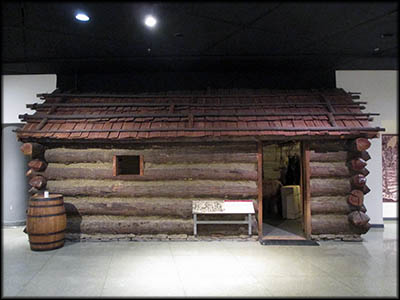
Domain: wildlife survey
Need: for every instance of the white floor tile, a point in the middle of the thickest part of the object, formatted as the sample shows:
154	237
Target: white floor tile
45	285
140	285
305	286
202	268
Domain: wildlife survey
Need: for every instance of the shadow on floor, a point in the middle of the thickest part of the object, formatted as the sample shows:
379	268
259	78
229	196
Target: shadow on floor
276	226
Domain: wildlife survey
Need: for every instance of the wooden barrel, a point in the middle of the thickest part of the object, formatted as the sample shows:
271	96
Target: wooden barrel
46	222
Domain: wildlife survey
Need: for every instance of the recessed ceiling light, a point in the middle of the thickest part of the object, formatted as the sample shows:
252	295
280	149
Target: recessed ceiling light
377	49
150	21
82	17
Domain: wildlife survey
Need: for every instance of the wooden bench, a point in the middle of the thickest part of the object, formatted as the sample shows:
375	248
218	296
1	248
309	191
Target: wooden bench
222	207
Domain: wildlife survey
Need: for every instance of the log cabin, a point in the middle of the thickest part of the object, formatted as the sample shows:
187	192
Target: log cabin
131	165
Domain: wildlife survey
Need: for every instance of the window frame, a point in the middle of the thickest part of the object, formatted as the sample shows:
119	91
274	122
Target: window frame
127	176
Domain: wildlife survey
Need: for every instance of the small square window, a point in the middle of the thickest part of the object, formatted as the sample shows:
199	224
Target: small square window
127	165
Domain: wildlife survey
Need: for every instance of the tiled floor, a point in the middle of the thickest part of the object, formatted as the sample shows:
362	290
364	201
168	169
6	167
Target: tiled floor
194	268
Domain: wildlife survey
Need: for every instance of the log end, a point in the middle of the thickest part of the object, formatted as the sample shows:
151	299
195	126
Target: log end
358	218
358	181
37	165
366	189
356	198
362	144
38	182
26	148
32	149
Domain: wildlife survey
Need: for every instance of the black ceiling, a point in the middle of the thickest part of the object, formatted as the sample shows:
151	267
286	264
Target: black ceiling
41	37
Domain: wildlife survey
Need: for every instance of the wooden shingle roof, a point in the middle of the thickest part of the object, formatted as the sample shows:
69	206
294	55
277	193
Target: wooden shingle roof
291	114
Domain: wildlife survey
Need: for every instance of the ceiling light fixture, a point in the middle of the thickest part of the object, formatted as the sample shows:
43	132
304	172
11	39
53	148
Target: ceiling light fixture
82	17
150	21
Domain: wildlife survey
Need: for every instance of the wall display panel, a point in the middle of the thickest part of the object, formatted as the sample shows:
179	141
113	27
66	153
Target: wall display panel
390	161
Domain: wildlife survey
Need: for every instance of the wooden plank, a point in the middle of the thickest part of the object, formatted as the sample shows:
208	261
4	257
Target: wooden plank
260	95
126	126
306	188
166	115
260	187
51	131
107	125
77	135
42	124
330	110
96	134
302	187
38	106
141	165
115	166
85	133
116	126
162	129
155	126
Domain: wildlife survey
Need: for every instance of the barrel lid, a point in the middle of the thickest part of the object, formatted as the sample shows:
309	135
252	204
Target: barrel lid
51	196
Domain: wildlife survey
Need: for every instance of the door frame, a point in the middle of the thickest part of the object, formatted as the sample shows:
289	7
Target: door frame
304	187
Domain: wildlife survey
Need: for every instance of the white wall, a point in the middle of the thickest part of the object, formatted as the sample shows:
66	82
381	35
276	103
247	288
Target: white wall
380	90
19	90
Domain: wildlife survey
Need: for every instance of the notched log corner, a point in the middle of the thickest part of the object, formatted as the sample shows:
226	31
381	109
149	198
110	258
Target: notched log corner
38	182
37	165
34	150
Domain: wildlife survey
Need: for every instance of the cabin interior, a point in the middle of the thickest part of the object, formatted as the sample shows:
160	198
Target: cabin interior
282	201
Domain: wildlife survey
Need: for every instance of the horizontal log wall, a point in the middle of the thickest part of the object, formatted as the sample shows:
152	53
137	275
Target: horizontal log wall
329	169
227	171
330	224
329	205
160	201
106	224
127	224
329	186
337	181
176	188
68	155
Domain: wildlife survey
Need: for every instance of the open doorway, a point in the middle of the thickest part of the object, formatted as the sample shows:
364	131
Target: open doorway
282	201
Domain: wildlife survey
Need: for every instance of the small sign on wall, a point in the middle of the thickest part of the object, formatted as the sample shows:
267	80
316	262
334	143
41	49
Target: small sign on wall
390	186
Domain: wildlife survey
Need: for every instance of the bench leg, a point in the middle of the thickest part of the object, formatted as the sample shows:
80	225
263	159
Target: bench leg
249	220
194	224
